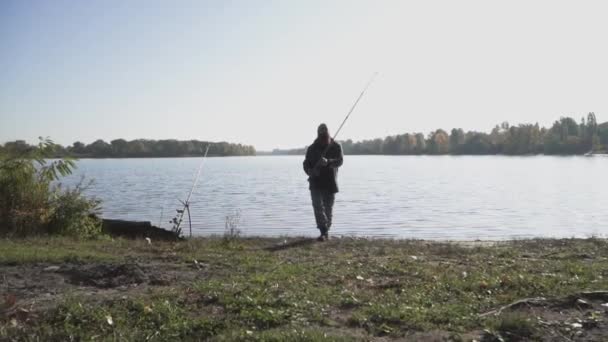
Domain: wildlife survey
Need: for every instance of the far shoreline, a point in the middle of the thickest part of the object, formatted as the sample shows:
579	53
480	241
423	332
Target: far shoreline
357	155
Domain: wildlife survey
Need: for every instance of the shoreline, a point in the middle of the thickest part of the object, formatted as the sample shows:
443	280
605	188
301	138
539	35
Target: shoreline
352	155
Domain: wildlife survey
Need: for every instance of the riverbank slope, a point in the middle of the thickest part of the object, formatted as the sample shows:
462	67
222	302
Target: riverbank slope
298	289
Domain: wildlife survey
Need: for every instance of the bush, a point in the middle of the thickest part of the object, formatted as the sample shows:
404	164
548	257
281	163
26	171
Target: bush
73	214
29	205
23	202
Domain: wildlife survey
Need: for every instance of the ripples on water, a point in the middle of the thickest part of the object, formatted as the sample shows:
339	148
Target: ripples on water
444	197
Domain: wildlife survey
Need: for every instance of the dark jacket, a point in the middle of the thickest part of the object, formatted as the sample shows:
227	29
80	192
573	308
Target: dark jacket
328	175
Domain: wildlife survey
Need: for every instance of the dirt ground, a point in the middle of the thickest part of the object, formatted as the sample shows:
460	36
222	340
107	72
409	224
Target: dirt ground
41	285
32	289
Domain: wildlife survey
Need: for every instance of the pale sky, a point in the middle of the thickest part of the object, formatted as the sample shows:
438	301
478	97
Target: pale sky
267	73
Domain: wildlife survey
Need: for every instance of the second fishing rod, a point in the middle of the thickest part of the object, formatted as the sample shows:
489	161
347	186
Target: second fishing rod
177	220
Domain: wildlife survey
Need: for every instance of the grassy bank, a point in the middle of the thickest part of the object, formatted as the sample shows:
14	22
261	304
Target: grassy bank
297	289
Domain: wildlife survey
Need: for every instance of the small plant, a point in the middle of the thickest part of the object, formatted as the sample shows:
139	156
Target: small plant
177	222
511	327
73	214
231	229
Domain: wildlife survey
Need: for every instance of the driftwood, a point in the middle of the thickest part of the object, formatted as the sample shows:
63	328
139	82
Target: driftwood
526	301
539	301
594	295
136	229
292	244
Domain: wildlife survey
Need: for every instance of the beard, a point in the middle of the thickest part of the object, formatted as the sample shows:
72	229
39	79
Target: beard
324	138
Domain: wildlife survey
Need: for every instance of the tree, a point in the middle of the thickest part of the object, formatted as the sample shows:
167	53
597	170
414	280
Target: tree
603	135
409	142
99	148
591	124
420	143
593	141
571	126
536	142
565	136
78	148
390	145
583	129
17	146
135	148
457	140
347	146
439	142
478	143
551	142
119	147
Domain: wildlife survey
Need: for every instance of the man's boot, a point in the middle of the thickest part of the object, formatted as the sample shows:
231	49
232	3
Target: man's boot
323	236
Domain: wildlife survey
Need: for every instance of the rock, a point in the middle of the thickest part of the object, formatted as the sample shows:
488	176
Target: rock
52	269
583	303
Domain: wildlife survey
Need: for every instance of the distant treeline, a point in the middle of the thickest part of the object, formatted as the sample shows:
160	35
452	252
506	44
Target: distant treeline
566	136
121	148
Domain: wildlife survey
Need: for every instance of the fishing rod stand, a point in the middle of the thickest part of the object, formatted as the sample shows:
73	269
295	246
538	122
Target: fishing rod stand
187	209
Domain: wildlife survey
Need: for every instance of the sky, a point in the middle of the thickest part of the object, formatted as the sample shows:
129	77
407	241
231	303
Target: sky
266	73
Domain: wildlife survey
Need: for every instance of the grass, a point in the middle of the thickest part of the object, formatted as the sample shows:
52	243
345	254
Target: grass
513	327
345	289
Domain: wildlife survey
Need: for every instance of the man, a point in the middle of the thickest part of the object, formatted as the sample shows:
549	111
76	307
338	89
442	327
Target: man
323	158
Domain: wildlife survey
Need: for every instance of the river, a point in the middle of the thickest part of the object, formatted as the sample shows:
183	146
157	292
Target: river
422	197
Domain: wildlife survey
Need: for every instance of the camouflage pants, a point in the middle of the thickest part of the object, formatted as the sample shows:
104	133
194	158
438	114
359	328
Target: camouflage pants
322	204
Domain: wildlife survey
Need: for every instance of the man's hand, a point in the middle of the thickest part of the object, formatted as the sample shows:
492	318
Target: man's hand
316	171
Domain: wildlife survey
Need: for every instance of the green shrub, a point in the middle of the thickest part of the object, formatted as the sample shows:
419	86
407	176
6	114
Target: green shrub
30	205
73	214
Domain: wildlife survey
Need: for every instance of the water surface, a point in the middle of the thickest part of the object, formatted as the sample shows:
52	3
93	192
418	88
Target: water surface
425	197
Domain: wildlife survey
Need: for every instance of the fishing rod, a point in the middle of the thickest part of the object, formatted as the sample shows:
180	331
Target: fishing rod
318	165
177	220
355	104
